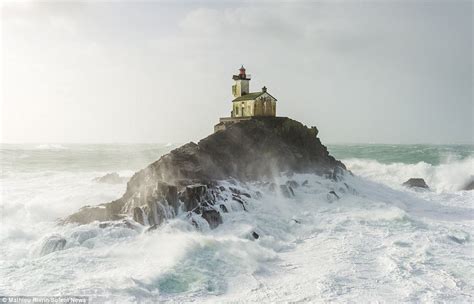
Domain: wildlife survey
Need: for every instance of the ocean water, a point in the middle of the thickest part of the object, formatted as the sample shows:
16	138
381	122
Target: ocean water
380	242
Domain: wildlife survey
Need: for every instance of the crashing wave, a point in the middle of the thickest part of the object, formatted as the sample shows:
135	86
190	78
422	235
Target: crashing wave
453	175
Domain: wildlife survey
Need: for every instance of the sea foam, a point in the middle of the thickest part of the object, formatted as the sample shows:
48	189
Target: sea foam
451	175
379	242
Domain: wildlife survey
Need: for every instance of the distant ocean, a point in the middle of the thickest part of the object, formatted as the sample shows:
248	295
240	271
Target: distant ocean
379	242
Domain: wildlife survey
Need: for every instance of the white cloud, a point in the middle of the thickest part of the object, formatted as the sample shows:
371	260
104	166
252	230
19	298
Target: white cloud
161	72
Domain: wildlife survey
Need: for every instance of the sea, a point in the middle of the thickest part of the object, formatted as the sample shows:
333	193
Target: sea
379	242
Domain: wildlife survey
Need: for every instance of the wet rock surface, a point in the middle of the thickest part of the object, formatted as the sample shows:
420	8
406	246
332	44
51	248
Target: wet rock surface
111	178
188	177
51	244
469	186
332	196
416	183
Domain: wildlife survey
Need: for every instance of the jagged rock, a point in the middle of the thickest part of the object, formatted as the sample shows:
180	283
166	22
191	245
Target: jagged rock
416	183
332	196
152	228
250	150
238	192
287	191
111	178
240	201
213	217
193	195
337	174
469	186
293	184
138	215
155	212
53	243
223	208
103	212
170	193
123	224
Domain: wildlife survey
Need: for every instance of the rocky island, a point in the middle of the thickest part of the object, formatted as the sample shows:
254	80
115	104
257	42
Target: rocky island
253	144
188	178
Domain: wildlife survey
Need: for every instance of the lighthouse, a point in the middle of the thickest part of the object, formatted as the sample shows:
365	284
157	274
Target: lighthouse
241	86
247	105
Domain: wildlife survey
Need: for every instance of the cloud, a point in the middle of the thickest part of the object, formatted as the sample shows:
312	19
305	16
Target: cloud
124	71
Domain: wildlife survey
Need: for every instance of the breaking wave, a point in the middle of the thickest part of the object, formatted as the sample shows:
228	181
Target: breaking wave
451	175
374	241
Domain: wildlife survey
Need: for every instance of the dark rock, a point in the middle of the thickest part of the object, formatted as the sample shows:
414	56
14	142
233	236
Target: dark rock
155	212
152	228
293	184
193	195
170	193
223	208
138	215
416	183
239	201
287	191
337	173
291	191
105	225
469	186
238	192
350	189
103	212
111	178
332	196
255	235
250	150
122	224
213	217
130	225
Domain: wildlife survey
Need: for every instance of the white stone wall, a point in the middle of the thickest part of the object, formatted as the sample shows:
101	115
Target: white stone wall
241	86
243	108
264	105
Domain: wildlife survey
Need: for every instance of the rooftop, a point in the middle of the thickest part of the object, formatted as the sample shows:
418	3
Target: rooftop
248	96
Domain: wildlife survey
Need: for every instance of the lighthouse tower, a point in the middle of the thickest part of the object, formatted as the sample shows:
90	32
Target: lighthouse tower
247	105
241	86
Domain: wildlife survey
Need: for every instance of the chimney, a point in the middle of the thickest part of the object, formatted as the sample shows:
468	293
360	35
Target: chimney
264	89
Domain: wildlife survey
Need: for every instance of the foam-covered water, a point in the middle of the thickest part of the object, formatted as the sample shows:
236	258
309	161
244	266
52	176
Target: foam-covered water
379	242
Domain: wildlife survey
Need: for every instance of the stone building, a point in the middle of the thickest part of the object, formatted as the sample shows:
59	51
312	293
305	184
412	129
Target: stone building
247	105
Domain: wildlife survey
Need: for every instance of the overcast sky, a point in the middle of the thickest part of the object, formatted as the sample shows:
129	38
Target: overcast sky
368	72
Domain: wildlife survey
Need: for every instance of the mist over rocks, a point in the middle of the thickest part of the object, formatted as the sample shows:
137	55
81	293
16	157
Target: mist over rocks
469	185
111	178
188	177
